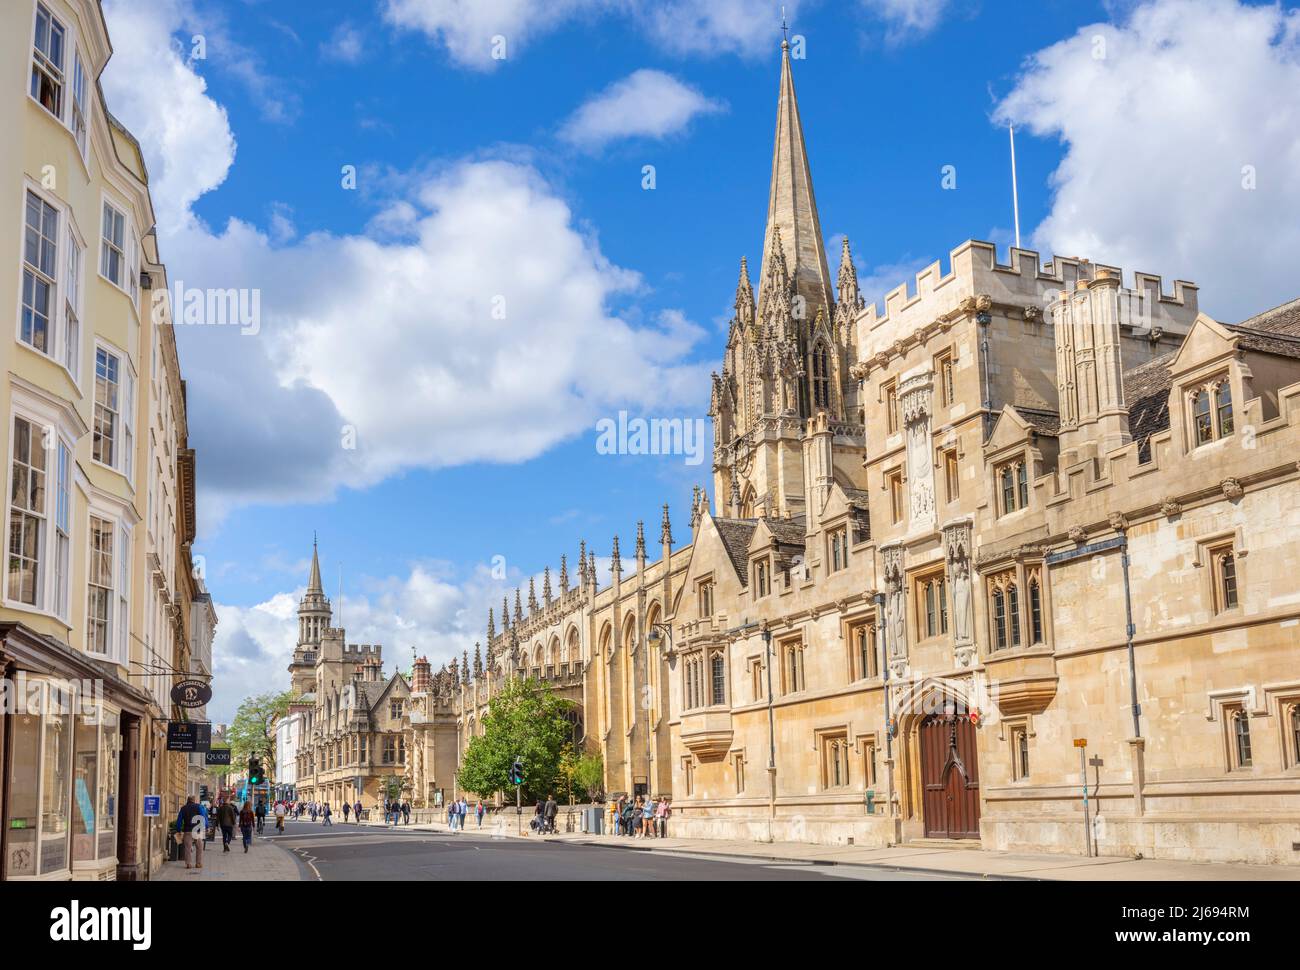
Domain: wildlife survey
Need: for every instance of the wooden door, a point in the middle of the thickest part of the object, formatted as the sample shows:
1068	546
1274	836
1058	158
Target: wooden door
950	800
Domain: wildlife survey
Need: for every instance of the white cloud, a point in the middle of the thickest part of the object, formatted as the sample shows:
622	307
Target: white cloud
467	28
186	134
1161	116
646	103
905	19
346	44
463	329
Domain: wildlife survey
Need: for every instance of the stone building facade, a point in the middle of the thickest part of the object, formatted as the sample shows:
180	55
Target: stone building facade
1027	520
351	720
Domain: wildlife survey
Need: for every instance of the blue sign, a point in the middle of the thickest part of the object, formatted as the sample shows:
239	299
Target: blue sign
83	804
152	806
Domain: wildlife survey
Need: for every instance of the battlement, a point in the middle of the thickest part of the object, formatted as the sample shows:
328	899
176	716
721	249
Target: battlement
362	651
1025	281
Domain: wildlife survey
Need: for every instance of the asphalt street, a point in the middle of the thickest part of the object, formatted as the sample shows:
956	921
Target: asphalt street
344	852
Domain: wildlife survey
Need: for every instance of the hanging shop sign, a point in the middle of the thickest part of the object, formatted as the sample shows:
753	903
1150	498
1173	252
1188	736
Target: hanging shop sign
191	693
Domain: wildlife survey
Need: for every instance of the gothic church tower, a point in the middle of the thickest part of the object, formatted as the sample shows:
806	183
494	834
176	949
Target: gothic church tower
314	617
788	352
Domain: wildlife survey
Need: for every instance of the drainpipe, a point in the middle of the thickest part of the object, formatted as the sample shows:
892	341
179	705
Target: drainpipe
771	736
984	319
1130	631
889	735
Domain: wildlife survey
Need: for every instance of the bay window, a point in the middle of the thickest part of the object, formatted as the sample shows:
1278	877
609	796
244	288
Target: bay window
112	249
27	515
47	61
40	268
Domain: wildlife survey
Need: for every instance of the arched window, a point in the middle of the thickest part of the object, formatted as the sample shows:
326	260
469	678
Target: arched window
1228	580
1223	409
1241	733
1023	744
1000	619
1013	607
1201	418
718	678
1035	612
821	383
1295	734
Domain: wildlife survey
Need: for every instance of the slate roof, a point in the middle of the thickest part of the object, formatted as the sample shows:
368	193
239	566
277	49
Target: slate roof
860	514
1042	421
735	535
1146	388
1275	331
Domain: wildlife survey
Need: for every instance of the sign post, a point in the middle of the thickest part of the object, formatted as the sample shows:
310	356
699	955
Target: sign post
1082	745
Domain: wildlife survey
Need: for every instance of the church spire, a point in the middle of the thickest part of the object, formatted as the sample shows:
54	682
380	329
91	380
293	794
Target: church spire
313	581
792	208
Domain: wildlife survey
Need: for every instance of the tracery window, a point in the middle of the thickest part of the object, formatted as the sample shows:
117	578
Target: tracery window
821	380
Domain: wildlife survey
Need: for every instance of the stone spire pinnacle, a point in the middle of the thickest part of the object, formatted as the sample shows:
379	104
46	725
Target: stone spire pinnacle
615	563
313	581
792	208
848	279
505	613
640	543
492	627
666	529
532	596
519	607
546	586
564	574
744	295
478	661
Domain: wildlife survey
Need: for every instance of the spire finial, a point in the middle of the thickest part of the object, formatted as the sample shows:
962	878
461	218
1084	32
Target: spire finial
785	30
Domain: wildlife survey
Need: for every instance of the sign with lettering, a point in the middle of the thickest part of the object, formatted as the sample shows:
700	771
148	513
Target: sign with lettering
188	736
152	806
217	756
191	693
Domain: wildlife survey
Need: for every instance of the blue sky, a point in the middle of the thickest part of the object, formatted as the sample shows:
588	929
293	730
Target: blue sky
477	436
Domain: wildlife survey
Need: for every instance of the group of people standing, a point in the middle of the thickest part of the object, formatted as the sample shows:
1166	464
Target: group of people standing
641	818
458	809
395	812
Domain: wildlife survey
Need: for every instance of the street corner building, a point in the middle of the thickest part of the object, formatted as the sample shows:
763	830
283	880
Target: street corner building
1027	522
102	607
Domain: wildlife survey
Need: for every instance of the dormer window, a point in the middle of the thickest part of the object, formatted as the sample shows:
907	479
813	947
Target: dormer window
839	549
1013	486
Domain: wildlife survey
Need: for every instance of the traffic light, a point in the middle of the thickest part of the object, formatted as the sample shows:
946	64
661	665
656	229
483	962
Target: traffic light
255	773
517	772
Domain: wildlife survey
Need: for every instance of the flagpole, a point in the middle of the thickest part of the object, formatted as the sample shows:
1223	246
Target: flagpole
1015	193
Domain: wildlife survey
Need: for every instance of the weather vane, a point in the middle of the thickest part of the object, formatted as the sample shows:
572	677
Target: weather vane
785	27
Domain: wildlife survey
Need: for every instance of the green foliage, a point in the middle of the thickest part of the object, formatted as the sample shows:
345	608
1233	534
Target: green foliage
391	788
526	720
251	733
583	774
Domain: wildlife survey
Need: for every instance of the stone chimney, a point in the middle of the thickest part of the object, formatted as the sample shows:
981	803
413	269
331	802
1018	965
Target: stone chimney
422	678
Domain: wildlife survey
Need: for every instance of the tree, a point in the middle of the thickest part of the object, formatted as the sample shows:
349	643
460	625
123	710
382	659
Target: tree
589	775
251	733
526	721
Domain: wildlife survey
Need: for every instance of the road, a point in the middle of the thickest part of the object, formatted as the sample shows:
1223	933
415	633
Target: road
345	852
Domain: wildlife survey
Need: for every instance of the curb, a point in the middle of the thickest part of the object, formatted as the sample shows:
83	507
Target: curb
890	867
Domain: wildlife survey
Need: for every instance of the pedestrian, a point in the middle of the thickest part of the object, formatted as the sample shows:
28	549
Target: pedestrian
667	810
261	817
247	819
451	816
227	818
313	811
346	809
326	813
356	812
190	823
552	810
406	813
648	818
612	810
479	812
629	810
281	810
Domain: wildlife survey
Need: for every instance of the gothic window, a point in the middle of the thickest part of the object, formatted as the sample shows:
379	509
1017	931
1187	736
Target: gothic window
839	541
1020	753
706	599
1035	612
1295	735
793	666
756	679
1239	720
1225	579
1223	409
943	368
821	382
1008	489
1022	479
718	679
897	507
951	474
869	763
999	619
835	761
740	774
932	598
688	774
762	577
1013	611
1013	483
891	406
390	749
1201	416
863	640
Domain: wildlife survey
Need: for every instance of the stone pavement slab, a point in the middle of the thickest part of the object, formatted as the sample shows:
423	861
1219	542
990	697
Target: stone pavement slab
263	862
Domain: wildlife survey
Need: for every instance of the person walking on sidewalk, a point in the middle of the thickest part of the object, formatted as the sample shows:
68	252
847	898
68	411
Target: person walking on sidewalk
346	809
479	812
406	813
227	818
552	810
326	813
247	819
190	823
356	812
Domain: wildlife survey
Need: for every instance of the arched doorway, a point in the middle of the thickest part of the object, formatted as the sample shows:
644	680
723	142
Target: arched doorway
950	789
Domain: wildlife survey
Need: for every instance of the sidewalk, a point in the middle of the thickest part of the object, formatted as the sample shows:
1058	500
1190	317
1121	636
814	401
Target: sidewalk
263	862
939	860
